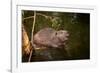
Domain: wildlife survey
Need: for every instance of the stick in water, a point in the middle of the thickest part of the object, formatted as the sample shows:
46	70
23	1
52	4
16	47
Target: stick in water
32	35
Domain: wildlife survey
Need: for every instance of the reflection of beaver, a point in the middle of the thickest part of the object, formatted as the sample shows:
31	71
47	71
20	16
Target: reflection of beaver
49	37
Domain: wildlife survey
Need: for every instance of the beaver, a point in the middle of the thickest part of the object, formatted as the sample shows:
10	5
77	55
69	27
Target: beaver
49	37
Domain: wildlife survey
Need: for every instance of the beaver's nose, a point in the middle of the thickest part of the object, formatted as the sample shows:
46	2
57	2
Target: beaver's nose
67	34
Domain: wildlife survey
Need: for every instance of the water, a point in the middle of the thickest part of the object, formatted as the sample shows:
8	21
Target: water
78	26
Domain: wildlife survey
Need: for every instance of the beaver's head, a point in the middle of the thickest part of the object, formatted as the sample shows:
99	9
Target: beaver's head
62	35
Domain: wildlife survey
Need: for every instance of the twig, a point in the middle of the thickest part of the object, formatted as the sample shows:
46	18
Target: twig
28	17
44	15
34	20
38	14
30	55
32	35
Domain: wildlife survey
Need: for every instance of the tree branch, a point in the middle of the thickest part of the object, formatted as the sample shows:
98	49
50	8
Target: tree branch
44	16
38	14
28	17
34	20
